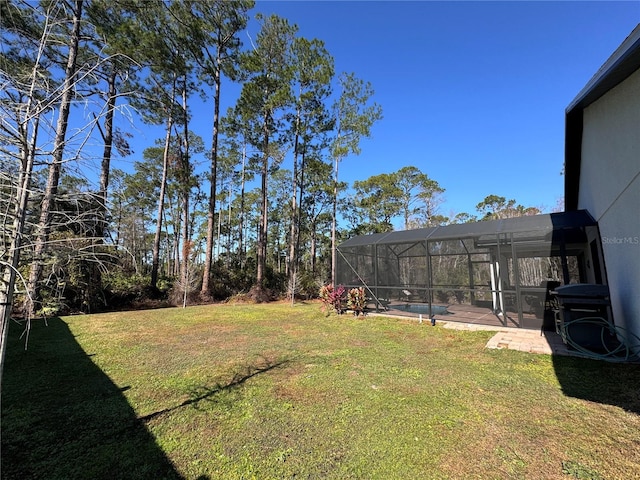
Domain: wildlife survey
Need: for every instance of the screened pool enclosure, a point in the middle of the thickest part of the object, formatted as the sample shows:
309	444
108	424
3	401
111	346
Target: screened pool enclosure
497	272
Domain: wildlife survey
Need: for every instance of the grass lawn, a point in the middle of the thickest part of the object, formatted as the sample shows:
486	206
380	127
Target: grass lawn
281	392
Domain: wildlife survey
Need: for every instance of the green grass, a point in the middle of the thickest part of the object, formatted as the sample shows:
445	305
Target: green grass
281	392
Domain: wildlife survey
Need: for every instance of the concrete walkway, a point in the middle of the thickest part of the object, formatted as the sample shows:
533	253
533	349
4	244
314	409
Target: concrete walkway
521	339
524	340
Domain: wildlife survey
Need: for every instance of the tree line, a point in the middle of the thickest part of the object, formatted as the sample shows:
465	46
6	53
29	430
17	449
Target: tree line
71	69
194	219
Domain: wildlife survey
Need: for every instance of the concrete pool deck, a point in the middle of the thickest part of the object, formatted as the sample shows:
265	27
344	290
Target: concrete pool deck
510	338
521	339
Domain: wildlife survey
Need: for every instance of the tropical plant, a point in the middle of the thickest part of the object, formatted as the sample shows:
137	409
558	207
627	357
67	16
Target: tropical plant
332	299
356	300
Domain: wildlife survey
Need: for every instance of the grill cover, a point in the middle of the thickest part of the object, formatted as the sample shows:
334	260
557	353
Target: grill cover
582	290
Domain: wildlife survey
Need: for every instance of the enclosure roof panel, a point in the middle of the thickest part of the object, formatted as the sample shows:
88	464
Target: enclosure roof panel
540	224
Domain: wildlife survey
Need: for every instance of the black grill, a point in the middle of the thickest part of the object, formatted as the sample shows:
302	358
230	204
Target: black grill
582	315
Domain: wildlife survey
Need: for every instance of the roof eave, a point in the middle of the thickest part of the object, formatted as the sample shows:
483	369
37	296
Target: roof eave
620	65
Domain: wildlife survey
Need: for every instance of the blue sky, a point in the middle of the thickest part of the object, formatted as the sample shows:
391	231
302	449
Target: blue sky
473	93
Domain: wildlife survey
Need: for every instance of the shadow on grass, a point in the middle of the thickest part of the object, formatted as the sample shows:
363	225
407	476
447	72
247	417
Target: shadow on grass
62	417
600	381
207	393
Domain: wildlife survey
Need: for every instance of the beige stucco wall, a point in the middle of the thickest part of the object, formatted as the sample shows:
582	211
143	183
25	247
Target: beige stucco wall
610	191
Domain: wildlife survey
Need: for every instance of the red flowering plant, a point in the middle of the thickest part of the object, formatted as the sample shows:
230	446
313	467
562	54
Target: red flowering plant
332	299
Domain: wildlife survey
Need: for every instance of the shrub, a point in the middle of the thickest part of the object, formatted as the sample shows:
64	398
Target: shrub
308	284
356	300
332	299
124	291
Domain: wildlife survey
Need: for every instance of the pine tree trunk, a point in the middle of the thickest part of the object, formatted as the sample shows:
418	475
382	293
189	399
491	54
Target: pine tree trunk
334	225
241	250
155	261
262	231
229	236
293	240
208	261
313	248
51	189
7	285
185	188
107	137
298	219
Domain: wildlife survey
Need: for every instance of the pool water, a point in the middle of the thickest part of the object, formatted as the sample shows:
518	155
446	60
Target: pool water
421	308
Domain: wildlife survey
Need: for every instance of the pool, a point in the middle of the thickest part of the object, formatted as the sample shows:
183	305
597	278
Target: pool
421	308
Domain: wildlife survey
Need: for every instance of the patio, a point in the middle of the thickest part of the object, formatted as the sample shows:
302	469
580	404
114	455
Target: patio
510	338
495	272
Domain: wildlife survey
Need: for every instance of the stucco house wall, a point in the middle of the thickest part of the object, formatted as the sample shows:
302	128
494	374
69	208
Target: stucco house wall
602	172
610	190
